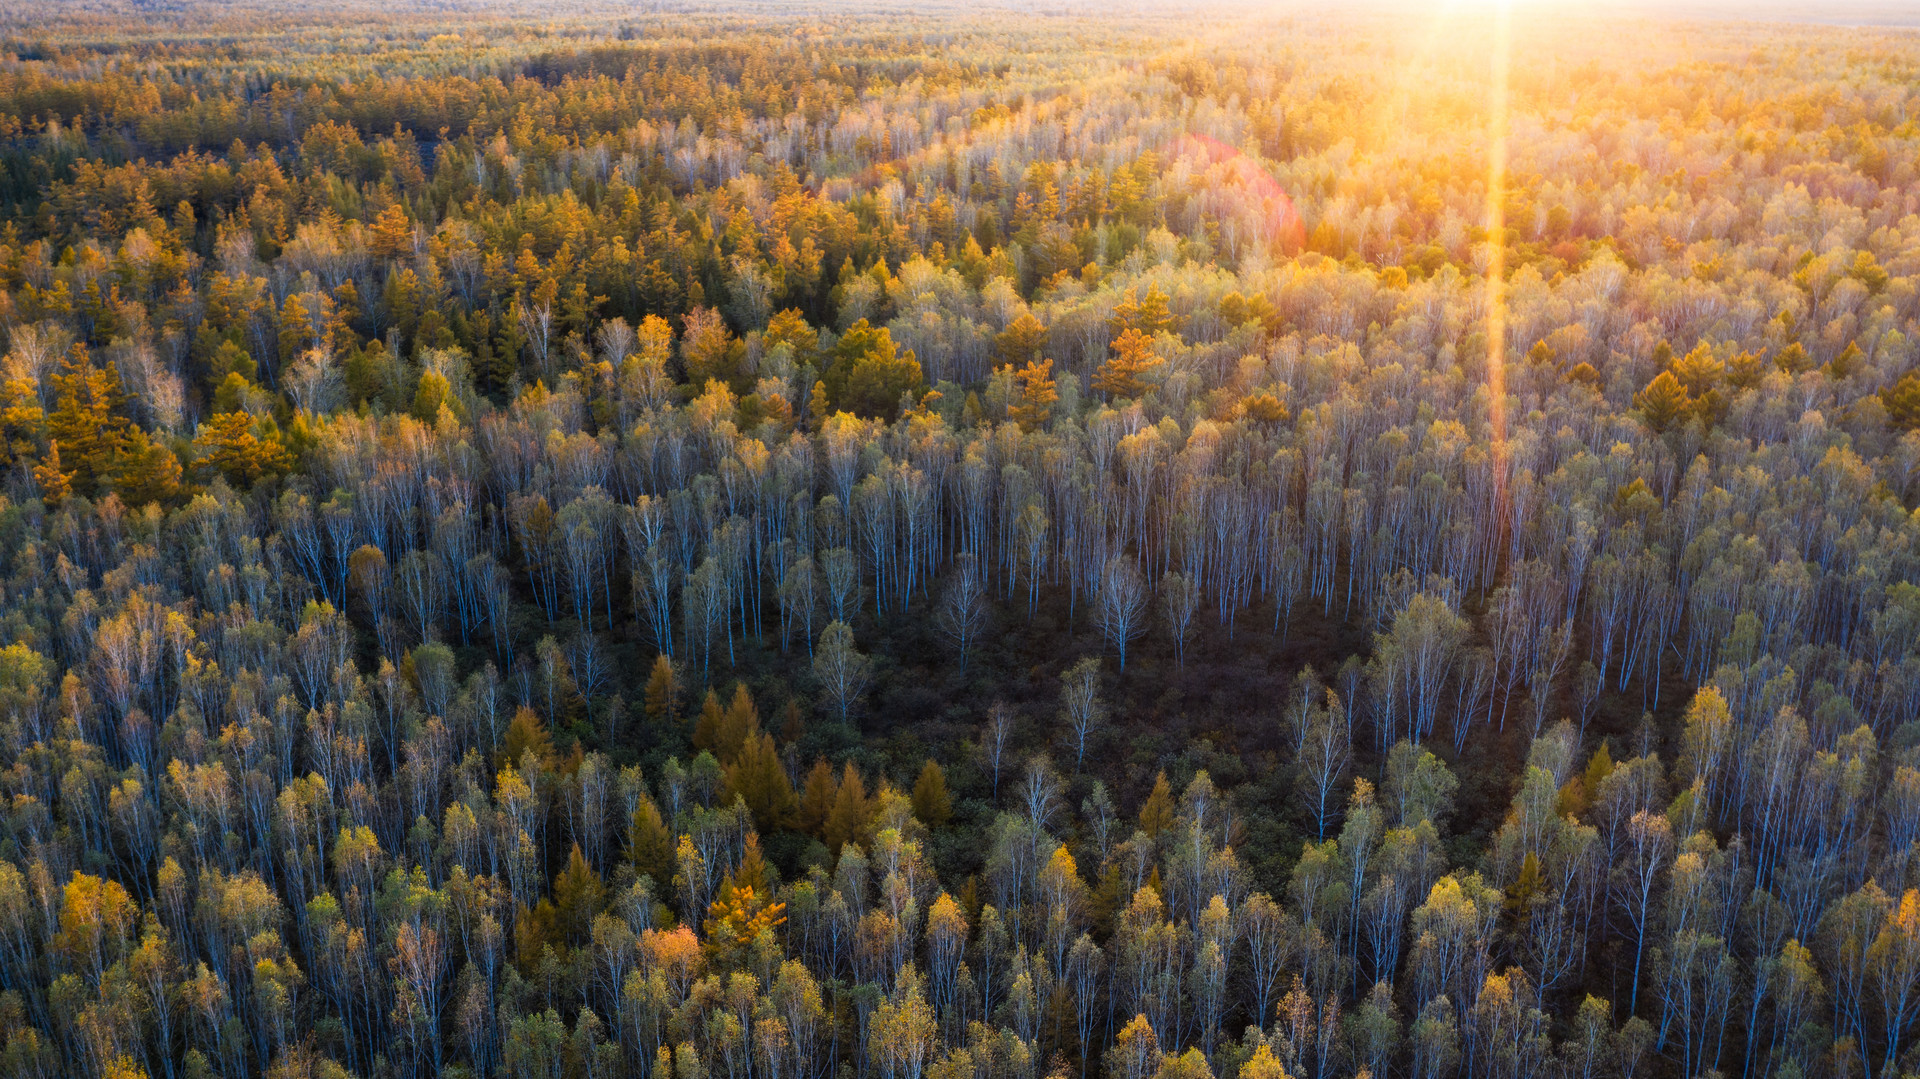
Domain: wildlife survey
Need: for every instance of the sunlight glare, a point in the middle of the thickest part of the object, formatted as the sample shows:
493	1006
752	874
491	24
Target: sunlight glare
1496	239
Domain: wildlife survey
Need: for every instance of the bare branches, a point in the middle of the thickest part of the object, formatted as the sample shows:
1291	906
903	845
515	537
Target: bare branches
1080	704
963	606
1120	604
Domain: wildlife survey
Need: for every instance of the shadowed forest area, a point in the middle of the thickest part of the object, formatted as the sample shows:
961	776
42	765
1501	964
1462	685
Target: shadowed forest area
859	543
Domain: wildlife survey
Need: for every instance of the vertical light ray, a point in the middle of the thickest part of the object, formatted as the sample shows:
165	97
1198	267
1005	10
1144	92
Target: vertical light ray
1497	242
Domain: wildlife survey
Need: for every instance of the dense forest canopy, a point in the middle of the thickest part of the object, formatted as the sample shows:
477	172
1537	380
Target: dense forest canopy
854	544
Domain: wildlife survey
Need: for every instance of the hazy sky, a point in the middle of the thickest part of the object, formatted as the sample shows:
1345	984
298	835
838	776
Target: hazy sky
1844	12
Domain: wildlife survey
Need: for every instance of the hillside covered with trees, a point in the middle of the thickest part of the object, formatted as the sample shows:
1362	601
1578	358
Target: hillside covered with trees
577	542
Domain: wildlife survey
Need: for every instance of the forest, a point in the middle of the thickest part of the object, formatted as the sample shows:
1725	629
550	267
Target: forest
851	542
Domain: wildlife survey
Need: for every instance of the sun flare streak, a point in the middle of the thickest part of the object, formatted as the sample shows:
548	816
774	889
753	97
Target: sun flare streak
1497	241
